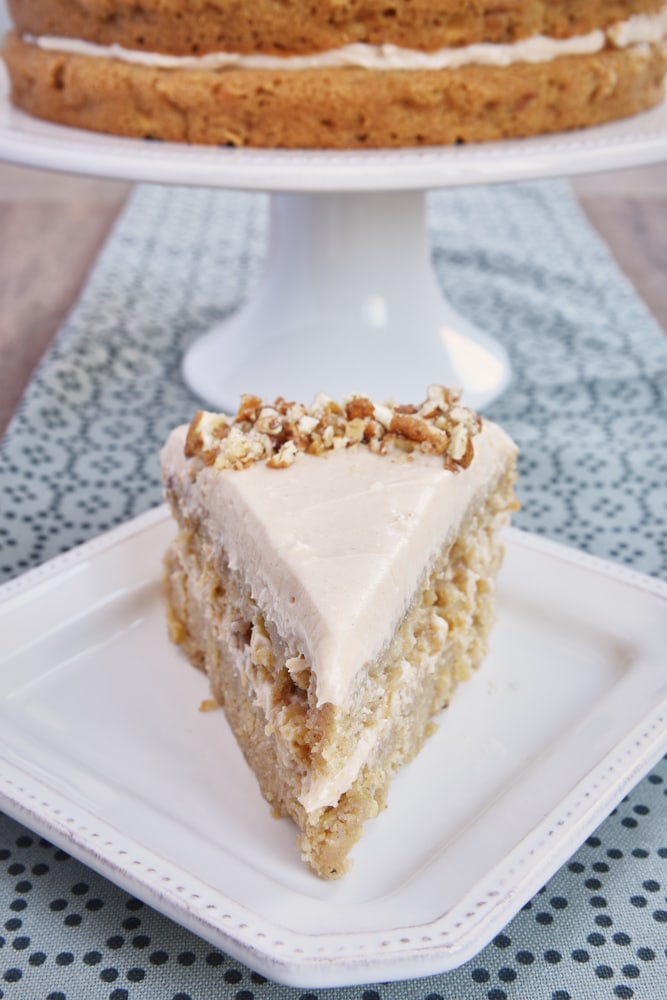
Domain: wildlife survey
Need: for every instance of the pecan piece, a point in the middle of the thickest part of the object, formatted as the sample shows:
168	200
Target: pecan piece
249	408
358	408
417	430
194	441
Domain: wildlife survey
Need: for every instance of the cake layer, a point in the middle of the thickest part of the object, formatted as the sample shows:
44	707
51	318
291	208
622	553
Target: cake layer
640	29
196	27
335	108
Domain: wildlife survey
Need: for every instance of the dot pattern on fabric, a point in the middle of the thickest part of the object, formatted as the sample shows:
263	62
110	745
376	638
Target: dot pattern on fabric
124	949
587	407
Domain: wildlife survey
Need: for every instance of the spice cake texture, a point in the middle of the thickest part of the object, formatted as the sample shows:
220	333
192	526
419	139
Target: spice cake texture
335	73
334	575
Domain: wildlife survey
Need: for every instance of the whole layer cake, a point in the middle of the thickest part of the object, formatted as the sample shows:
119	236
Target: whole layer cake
337	73
334	574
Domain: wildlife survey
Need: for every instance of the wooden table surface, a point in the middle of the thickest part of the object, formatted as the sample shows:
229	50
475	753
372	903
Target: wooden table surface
52	227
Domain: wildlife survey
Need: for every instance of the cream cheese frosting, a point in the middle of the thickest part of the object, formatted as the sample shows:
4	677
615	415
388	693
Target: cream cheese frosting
335	547
638	30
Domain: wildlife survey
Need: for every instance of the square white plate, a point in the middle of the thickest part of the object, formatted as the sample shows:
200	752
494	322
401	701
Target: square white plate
104	751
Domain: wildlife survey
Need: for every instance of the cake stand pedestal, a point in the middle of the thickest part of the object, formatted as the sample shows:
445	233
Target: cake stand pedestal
348	292
348	301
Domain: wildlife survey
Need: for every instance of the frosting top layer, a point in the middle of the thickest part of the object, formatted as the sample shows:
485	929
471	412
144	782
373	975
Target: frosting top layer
335	546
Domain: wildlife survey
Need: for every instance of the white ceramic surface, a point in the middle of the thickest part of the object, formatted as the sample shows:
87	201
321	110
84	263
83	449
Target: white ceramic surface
348	300
104	751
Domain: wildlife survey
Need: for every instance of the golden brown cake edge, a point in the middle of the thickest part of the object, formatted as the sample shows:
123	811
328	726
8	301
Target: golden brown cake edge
341	108
263	26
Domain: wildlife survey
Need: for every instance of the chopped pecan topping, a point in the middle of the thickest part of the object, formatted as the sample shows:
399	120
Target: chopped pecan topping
249	408
358	408
420	431
275	433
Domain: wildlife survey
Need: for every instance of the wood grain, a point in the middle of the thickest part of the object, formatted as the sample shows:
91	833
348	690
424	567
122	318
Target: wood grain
635	230
46	252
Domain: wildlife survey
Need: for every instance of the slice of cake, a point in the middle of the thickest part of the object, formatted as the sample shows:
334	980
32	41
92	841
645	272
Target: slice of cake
334	576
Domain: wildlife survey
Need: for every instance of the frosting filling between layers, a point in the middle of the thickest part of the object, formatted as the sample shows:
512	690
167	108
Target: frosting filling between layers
347	550
642	29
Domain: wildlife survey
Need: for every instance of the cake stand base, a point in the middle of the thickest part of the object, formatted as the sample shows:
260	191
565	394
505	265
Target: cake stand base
348	302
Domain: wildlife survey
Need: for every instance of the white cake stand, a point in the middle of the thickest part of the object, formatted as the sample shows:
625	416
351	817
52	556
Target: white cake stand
348	300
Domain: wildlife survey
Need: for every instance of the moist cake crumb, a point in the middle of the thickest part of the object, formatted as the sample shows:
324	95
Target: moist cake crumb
335	600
